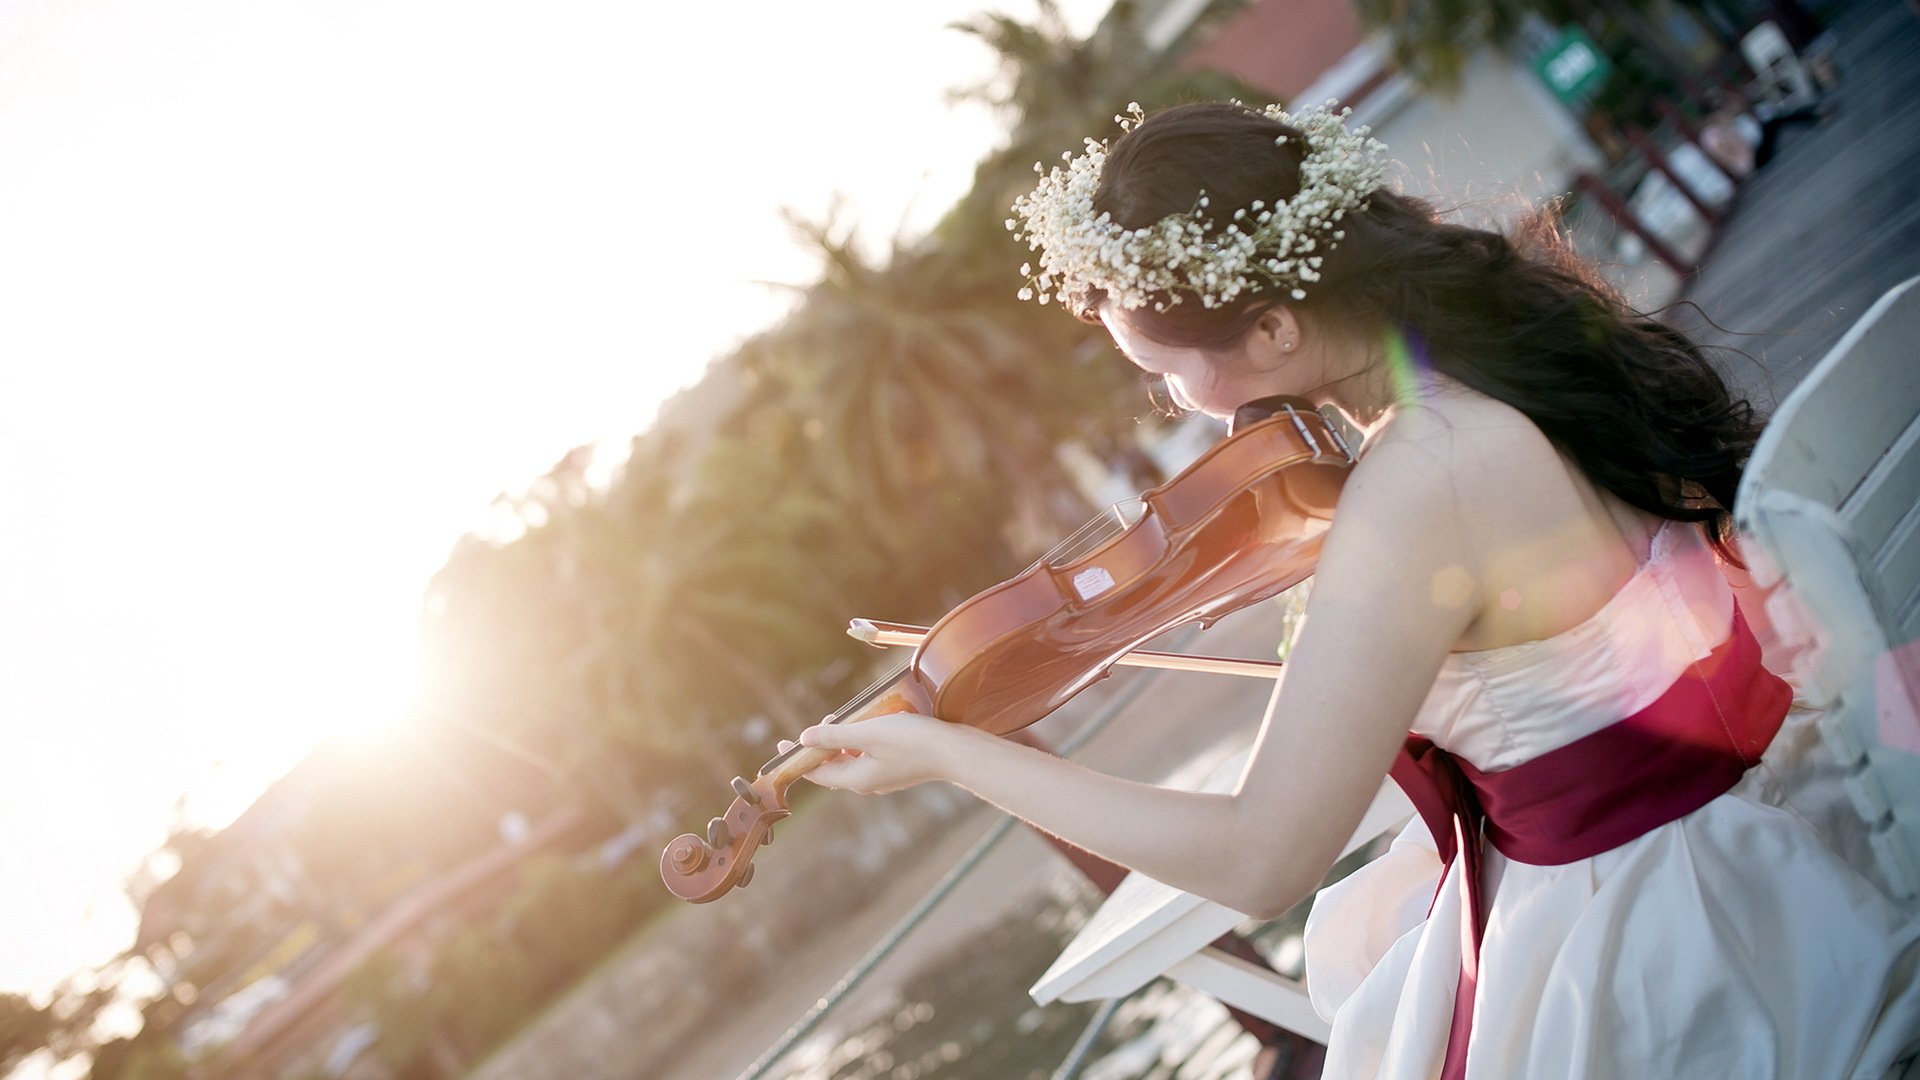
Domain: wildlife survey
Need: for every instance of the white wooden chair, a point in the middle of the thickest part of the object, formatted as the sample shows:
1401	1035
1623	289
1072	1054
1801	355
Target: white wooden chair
1147	929
1830	506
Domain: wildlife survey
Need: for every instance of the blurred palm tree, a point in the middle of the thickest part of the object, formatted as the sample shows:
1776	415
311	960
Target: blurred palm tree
933	407
515	640
730	609
547	644
1054	89
922	374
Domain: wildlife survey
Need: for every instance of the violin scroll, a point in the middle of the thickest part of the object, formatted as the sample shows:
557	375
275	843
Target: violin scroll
701	868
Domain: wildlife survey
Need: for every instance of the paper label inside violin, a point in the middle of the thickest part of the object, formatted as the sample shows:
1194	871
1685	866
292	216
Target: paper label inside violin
1092	581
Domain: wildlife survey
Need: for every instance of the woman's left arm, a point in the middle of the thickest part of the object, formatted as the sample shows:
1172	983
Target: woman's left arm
1396	587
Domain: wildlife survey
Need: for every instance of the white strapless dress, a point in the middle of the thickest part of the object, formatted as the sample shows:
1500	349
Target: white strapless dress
1749	940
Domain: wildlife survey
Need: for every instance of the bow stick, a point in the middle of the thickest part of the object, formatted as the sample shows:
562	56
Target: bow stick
881	634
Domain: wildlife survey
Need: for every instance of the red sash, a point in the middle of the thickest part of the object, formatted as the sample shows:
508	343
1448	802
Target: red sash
1592	795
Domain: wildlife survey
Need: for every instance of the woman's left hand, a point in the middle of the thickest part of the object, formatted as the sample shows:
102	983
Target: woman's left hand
882	753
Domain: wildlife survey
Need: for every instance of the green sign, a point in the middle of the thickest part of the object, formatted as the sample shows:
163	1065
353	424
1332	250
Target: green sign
1573	67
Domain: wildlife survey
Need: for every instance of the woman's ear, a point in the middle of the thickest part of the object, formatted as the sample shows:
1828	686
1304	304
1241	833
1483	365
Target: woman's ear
1273	338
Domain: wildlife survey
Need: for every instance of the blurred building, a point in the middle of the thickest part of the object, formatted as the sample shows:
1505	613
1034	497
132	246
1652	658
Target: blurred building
1499	143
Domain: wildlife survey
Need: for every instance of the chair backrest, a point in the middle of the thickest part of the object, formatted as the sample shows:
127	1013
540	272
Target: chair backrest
1830	509
1784	79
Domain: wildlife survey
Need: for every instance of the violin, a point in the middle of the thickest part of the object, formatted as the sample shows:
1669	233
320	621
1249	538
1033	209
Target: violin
1240	525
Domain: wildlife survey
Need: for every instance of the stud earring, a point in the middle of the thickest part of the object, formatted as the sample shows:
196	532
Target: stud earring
1287	346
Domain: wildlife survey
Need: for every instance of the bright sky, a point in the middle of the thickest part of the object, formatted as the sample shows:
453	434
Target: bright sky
290	289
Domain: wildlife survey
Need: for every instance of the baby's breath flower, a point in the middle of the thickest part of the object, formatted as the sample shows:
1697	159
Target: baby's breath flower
1080	252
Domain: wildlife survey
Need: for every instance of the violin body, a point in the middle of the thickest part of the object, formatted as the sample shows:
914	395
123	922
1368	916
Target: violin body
1240	525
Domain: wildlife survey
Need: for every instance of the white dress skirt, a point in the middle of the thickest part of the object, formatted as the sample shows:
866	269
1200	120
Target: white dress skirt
1750	939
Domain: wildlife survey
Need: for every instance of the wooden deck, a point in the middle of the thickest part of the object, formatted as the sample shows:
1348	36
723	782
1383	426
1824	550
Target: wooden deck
1831	223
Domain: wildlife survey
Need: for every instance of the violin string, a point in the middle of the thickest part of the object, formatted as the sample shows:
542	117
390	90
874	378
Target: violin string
843	713
1098	530
864	697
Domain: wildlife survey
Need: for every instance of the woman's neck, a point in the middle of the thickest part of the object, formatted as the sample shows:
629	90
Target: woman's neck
1366	395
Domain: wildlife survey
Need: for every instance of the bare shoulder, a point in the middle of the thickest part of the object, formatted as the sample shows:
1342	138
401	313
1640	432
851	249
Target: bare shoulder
1448	459
1470	436
1513	529
1489	460
1409	513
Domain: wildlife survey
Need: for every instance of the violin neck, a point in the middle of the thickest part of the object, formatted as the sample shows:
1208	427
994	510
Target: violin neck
892	693
792	765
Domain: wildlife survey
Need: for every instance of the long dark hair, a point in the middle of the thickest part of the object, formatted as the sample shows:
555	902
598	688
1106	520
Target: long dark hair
1634	402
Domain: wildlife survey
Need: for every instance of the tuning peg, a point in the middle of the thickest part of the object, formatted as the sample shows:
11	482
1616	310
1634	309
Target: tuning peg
719	837
745	790
767	837
687	854
745	876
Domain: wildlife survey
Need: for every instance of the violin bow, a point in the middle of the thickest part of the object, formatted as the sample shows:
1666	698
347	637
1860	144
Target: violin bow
881	634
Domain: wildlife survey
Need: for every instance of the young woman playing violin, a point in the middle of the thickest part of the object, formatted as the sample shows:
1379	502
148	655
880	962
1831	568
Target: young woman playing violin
1631	860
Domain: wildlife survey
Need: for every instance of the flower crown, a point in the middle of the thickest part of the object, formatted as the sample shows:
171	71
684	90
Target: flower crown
1277	246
